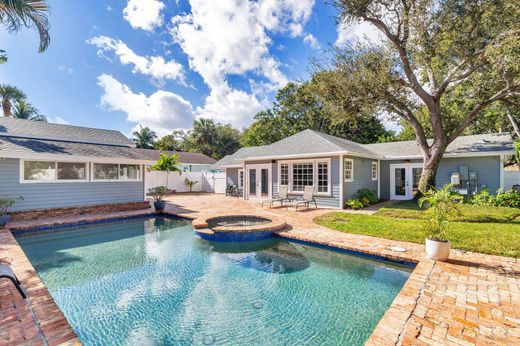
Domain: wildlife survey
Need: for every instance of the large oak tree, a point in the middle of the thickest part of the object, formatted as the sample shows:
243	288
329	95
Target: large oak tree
448	59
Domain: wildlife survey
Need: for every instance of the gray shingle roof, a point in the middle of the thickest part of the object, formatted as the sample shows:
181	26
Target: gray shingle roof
38	146
51	131
236	158
462	145
310	142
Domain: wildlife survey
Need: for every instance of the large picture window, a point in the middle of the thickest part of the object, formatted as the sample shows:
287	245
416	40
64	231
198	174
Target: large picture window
112	171
298	174
303	175
53	171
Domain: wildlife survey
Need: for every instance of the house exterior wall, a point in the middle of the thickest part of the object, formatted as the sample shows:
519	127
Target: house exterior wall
362	177
487	168
57	195
232	176
332	201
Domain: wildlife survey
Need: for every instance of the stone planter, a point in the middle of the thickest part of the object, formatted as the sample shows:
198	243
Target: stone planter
159	205
4	219
438	250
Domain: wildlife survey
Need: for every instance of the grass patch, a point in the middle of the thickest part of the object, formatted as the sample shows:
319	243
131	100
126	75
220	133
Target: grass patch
469	213
490	238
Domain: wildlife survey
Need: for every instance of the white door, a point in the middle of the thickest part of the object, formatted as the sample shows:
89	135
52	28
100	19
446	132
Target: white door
258	183
404	180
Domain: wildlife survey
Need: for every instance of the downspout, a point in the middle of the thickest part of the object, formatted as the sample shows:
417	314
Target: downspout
502	172
378	179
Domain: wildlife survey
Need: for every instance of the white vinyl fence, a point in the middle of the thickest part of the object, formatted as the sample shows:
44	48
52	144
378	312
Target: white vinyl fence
511	178
206	181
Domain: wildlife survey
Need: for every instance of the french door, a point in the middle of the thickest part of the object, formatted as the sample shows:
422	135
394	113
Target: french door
404	180
258	181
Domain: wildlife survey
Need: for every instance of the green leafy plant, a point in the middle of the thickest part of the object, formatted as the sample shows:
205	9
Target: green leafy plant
159	192
509	198
367	194
8	202
441	203
354	204
482	198
190	183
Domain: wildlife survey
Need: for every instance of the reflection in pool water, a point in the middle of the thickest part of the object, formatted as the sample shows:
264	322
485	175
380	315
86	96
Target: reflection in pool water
150	281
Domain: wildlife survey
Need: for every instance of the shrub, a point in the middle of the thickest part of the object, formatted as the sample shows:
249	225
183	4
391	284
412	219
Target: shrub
509	198
6	203
369	195
482	198
159	192
441	204
354	204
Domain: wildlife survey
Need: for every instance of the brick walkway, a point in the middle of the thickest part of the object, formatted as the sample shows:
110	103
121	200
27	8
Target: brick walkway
473	299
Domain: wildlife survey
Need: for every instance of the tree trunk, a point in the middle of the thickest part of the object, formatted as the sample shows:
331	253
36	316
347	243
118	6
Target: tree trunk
6	105
429	171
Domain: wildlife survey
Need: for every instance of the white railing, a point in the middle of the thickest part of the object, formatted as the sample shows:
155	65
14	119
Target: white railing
206	181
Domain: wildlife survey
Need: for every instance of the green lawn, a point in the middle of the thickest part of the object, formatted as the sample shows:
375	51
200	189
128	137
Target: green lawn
468	213
499	238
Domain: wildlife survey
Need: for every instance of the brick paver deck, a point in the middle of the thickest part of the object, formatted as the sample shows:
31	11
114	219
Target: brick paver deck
472	299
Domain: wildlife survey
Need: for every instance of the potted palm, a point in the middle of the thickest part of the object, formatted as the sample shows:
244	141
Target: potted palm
159	193
441	204
5	204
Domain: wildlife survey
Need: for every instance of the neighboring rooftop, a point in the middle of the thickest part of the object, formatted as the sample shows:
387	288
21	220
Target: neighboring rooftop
492	142
22	128
184	157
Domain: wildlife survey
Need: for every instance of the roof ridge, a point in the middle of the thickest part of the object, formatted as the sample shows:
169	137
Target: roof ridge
45	123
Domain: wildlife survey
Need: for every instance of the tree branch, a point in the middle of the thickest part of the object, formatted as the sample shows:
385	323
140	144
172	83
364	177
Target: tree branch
501	95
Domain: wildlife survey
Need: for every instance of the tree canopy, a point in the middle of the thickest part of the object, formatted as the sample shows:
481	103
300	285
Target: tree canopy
144	138
445	62
306	106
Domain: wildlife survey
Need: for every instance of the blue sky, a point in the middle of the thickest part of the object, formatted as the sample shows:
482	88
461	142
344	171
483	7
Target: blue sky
163	63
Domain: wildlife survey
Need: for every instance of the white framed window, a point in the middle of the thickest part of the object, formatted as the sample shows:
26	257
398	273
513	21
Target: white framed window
240	178
39	171
374	170
323	176
348	170
116	172
284	174
300	173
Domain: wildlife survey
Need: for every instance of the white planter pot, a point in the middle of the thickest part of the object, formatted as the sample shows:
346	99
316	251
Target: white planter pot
438	250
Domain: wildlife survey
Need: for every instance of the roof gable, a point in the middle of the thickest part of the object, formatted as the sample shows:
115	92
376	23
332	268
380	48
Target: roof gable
12	127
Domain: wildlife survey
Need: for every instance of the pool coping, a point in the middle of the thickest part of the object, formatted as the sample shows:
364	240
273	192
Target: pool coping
54	328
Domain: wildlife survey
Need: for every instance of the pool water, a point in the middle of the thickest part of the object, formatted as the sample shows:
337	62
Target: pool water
150	281
237	221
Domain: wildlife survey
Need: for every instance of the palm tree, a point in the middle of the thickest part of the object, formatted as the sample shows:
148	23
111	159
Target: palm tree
205	132
167	164
10	94
25	110
144	138
15	14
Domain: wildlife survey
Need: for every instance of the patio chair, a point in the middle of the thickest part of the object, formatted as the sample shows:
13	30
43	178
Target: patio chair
7	273
306	200
282	195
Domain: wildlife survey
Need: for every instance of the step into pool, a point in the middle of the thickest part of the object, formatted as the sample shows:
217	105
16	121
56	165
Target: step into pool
151	281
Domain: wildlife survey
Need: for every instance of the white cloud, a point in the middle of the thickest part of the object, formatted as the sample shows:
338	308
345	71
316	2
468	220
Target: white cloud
66	69
154	66
57	120
162	111
144	14
363	32
311	41
228	37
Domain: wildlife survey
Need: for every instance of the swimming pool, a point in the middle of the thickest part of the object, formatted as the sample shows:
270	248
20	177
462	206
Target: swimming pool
150	281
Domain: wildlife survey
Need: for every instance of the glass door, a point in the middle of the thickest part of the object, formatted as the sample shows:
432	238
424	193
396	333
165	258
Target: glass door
404	180
259	181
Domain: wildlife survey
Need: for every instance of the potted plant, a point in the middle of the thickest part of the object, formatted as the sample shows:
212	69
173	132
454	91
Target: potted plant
5	204
159	193
441	204
190	183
